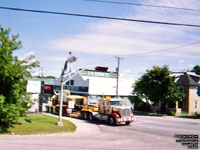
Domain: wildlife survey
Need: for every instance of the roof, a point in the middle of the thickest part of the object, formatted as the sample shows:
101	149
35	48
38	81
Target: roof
188	79
46	80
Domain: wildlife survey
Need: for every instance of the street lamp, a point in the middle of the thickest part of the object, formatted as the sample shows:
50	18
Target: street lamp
70	60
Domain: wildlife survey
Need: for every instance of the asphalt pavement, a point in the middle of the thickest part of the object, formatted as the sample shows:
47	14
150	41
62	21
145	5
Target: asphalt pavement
146	133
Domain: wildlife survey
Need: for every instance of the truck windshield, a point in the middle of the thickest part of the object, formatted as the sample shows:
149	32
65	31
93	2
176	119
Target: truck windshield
116	103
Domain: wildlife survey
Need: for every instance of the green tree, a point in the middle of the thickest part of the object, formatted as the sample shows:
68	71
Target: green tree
14	101
157	86
196	69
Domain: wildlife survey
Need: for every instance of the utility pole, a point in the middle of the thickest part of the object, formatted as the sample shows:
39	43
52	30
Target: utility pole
118	65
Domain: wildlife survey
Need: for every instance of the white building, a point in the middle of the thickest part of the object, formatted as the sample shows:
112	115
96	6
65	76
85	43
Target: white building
96	83
34	89
37	87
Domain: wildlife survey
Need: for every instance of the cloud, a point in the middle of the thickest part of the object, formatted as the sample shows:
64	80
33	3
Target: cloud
181	61
125	38
126	74
55	58
26	55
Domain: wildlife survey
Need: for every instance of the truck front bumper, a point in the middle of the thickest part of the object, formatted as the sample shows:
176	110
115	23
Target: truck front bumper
125	119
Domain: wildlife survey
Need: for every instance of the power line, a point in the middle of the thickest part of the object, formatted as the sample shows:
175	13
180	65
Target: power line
134	73
99	17
101	61
159	51
138	4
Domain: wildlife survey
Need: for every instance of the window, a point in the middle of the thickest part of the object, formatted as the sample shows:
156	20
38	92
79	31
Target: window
182	89
116	103
107	103
71	82
198	91
79	101
195	105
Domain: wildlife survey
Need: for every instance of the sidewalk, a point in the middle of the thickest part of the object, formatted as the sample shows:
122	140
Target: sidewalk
83	126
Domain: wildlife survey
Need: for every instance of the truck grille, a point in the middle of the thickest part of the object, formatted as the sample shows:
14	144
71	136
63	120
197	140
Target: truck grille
125	112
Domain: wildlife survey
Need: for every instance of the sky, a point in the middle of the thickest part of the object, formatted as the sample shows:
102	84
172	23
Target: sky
97	42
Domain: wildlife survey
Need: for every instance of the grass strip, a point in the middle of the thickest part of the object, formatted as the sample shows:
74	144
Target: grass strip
42	124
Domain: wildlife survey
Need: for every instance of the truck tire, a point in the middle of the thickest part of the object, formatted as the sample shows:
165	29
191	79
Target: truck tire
128	123
112	121
85	115
91	117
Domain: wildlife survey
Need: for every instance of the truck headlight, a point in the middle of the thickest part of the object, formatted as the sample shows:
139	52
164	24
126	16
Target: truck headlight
115	109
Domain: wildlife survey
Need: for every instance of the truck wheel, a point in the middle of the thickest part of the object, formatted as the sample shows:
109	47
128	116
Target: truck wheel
91	118
85	115
128	123
112	121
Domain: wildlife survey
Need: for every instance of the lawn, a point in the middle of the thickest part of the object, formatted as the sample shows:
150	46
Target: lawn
39	124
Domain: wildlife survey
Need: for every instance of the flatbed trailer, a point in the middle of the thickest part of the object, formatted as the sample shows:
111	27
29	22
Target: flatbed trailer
112	110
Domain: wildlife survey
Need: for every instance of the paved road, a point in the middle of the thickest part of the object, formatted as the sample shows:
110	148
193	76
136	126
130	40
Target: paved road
154	132
146	133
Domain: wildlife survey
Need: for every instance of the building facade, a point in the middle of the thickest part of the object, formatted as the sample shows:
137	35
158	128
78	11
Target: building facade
96	83
92	83
190	83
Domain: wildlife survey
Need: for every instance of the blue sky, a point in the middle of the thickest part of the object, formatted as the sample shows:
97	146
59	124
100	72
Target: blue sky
96	41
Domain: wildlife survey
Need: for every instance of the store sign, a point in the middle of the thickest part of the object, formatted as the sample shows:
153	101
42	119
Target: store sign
33	87
48	87
99	74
